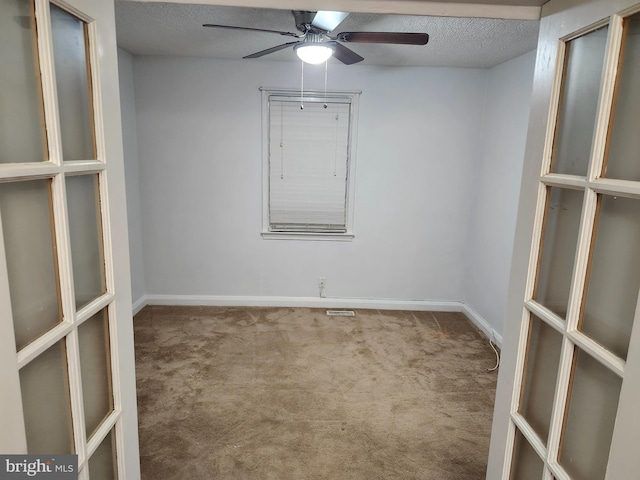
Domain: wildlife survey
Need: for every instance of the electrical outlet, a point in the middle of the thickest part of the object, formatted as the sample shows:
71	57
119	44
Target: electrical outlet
321	285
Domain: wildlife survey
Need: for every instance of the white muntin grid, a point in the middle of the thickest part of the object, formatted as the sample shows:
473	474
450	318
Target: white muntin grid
593	187
55	170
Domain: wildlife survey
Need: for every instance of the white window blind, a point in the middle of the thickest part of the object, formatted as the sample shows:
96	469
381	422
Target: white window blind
308	164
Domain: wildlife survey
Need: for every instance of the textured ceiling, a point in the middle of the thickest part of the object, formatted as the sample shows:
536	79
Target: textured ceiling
146	28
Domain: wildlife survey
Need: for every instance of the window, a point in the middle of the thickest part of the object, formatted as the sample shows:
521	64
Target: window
309	158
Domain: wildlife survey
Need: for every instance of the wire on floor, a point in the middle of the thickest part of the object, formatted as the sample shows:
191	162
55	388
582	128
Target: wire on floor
495	350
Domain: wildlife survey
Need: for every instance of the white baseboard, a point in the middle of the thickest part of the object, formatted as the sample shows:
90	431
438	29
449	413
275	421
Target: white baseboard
310	302
315	302
139	304
480	322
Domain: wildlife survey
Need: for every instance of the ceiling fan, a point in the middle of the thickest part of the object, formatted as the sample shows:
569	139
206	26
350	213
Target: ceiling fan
316	45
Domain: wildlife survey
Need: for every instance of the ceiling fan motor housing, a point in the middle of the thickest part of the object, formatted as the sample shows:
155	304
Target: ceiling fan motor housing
313	38
303	19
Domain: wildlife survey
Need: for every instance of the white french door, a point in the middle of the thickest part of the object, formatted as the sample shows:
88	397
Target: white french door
568	390
66	340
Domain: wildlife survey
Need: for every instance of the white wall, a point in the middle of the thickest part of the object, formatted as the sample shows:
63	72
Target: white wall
132	177
199	141
440	155
497	172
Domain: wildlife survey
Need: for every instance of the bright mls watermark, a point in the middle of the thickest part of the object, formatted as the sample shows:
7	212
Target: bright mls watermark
50	467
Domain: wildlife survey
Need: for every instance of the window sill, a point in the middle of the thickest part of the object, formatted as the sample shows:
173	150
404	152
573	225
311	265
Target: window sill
336	237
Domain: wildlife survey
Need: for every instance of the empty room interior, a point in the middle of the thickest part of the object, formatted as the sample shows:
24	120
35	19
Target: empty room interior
275	388
265	240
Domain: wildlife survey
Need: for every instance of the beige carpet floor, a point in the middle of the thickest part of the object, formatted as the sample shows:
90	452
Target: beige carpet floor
291	393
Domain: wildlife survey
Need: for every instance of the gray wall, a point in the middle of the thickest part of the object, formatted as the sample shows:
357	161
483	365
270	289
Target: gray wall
497	175
199	138
132	177
439	159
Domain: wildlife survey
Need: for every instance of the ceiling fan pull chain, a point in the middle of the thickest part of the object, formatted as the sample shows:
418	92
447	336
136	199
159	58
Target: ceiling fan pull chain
326	69
335	155
302	87
282	141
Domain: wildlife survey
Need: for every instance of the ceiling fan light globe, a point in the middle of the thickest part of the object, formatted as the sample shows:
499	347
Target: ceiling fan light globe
313	54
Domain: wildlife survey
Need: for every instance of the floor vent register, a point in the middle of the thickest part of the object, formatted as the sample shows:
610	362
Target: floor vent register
341	313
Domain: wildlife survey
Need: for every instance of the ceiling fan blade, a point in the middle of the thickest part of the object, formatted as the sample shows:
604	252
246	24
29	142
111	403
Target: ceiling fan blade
287	34
327	20
384	37
270	50
344	54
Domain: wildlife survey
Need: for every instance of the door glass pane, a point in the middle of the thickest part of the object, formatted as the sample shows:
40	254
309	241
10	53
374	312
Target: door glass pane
102	464
45	399
578	103
22	133
25	210
624	141
526	464
614	278
85	229
539	384
73	85
589	420
95	364
562	220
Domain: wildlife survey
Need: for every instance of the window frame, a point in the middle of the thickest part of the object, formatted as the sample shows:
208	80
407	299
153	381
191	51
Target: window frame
353	97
